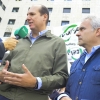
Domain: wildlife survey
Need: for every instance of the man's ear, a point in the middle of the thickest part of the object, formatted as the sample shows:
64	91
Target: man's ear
98	32
45	17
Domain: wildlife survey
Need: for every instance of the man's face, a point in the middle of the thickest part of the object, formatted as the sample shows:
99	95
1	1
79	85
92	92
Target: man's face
86	34
35	19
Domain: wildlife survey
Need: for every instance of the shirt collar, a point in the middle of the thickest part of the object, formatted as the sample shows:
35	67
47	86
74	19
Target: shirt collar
93	49
40	33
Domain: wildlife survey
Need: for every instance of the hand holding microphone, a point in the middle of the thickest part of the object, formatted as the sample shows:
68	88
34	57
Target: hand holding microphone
10	43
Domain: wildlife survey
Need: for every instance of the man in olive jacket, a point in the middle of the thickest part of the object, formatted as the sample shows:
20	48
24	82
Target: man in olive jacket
37	65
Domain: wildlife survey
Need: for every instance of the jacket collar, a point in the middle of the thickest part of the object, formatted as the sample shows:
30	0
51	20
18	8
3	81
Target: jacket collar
82	57
47	34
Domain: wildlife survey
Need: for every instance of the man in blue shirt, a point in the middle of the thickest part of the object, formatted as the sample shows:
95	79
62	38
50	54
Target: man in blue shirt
84	80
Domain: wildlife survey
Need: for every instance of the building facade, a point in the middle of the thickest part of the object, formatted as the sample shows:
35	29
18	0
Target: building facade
13	13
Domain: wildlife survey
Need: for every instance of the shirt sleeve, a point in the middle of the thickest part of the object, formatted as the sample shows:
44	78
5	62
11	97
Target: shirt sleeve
62	95
39	82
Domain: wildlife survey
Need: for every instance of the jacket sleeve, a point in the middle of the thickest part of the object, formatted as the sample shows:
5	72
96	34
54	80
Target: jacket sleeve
2	50
60	71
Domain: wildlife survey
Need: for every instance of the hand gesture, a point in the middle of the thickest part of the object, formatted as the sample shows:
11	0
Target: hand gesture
24	80
3	72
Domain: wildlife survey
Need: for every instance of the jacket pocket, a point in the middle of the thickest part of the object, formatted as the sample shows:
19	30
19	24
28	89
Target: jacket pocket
96	75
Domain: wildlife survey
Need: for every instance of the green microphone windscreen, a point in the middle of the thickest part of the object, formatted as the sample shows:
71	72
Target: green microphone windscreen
21	32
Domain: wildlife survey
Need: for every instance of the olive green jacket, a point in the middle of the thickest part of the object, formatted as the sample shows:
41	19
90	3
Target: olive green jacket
46	58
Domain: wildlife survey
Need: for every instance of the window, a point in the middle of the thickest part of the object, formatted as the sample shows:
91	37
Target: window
48	23
85	10
50	10
3	7
0	19
15	9
85	0
50	0
26	23
18	0
67	0
64	23
66	10
0	2
7	34
11	21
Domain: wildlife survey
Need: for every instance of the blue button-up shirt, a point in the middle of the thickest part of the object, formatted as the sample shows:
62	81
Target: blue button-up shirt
40	34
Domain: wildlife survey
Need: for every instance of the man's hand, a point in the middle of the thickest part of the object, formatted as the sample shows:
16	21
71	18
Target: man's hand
65	98
61	90
24	80
10	43
3	72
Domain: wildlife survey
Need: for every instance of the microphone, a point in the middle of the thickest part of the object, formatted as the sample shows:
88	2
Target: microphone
21	32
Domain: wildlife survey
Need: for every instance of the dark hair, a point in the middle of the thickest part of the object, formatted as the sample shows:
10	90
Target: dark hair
44	10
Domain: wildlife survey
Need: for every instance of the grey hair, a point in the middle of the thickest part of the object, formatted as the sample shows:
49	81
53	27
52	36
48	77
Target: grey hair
95	21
